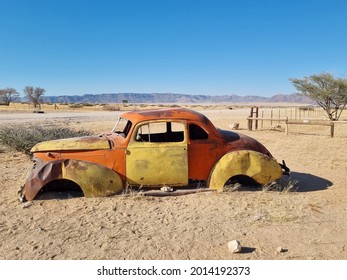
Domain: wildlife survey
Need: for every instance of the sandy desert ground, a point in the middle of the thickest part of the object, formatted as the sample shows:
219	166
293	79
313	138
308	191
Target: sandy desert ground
308	224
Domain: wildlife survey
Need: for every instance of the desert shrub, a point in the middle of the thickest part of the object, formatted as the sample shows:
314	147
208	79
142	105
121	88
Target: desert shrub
23	138
76	106
111	108
87	104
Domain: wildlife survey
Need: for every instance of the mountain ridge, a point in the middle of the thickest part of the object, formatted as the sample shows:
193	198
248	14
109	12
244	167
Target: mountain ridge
174	98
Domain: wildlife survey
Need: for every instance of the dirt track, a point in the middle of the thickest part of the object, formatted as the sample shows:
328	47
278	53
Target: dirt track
309	224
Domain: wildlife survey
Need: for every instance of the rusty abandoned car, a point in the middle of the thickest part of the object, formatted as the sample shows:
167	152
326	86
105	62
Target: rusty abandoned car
156	148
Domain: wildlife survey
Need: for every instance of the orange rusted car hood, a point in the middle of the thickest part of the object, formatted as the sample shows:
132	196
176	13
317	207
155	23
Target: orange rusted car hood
76	144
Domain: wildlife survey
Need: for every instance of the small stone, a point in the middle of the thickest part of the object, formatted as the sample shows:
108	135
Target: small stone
281	250
27	204
234	126
167	189
234	246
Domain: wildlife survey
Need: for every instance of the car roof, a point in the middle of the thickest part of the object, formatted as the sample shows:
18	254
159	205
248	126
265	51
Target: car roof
167	113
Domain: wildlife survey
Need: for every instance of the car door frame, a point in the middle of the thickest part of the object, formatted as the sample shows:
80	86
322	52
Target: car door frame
157	163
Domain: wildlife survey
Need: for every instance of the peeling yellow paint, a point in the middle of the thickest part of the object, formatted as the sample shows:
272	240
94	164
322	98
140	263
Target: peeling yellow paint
94	180
257	166
154	164
81	143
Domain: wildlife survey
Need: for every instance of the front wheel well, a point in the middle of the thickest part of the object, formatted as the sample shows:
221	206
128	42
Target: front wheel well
94	179
60	188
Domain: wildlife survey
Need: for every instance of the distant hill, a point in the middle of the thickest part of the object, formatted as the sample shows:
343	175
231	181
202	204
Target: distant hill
173	98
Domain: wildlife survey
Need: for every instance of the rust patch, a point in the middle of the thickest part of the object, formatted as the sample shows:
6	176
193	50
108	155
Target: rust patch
41	176
176	113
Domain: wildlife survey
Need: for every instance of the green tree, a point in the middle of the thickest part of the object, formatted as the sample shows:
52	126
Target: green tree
8	95
329	92
34	95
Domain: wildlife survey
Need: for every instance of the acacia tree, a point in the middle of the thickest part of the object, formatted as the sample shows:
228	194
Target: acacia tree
329	92
34	94
8	95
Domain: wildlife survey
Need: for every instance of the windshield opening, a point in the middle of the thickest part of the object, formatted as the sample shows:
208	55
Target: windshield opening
122	127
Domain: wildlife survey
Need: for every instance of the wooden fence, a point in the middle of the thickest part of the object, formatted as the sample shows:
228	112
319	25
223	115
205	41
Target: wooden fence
254	121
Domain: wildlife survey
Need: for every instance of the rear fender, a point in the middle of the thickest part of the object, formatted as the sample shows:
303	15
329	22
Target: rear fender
94	179
261	168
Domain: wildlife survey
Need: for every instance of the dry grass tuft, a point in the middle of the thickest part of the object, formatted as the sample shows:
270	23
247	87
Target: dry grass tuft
130	192
284	185
232	187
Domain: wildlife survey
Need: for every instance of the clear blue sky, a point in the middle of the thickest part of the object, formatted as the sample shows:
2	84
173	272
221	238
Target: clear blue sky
212	47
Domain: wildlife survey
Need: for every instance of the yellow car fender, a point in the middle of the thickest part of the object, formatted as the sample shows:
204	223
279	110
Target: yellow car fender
94	179
261	168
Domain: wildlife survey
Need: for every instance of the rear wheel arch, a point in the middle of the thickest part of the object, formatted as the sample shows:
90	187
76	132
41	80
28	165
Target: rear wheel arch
257	166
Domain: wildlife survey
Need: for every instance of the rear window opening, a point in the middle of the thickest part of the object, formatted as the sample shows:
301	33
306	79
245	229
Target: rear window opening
197	133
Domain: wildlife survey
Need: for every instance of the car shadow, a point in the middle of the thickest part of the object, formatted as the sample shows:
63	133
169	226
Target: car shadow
308	183
295	182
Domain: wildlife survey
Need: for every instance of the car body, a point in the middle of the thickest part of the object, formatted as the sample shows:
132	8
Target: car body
152	148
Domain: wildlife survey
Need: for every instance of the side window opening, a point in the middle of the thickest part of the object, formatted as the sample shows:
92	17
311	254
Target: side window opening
197	133
161	132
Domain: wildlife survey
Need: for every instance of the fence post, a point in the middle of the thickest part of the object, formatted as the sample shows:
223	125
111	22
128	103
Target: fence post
332	130
249	120
254	111
286	128
250	124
